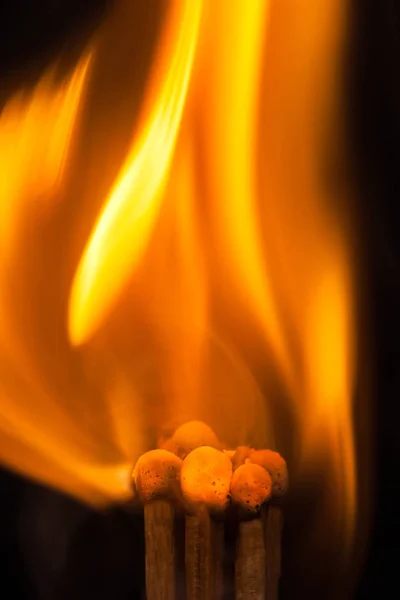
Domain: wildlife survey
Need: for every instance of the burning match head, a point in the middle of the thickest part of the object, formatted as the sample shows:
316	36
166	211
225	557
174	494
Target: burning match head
251	487
189	436
206	478
230	453
276	466
240	456
156	474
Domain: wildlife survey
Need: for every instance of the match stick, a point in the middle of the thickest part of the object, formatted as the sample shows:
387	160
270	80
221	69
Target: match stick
251	488
250	576
160	550
203	556
276	466
156	476
205	482
273	531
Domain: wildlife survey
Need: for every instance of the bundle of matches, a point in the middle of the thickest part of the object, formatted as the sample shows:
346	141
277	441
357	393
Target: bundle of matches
192	474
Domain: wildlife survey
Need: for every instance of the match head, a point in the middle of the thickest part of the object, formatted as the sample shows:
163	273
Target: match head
230	453
156	475
240	456
251	487
206	479
277	468
191	435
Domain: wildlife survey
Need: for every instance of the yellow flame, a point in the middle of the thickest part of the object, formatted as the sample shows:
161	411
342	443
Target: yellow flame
180	318
232	119
123	229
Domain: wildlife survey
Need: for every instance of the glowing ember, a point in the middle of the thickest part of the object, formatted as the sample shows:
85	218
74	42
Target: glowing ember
200	270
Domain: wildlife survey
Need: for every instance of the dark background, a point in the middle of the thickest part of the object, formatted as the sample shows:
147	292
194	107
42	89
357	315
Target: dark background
54	548
374	117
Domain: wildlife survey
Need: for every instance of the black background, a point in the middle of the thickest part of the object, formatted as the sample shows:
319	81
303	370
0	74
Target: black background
54	548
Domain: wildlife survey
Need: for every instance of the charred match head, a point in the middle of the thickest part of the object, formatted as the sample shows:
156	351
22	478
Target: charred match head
251	487
277	468
206	479
156	475
189	436
240	456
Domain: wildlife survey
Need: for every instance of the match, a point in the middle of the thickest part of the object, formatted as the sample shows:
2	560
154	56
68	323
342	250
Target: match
212	487
205	482
156	478
276	466
251	488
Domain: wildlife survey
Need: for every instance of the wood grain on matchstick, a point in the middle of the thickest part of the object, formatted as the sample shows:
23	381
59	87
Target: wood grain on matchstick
250	575
160	550
203	557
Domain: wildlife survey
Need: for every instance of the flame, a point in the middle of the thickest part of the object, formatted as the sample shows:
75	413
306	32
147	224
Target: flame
217	280
123	229
35	133
232	118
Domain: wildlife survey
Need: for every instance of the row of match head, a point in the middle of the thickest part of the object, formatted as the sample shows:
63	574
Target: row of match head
192	466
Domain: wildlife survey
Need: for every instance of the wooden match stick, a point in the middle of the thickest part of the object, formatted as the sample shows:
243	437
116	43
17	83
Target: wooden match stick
156	476
250	575
160	550
203	557
251	488
273	516
273	531
205	482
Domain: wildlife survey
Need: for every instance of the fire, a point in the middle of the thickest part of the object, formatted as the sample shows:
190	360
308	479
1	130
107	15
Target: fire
124	227
214	277
35	132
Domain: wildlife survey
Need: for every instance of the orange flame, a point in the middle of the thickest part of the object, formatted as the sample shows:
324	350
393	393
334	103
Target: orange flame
35	137
128	218
218	279
35	133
